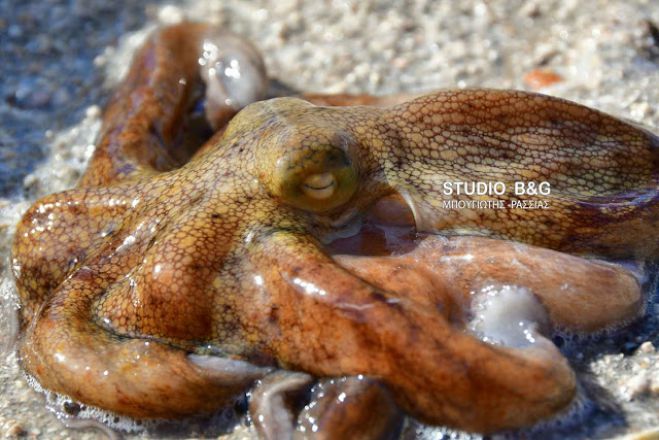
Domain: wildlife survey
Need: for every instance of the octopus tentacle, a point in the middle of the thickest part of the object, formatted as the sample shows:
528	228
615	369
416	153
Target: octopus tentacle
579	295
166	275
348	407
272	405
179	65
57	234
604	173
66	349
342	325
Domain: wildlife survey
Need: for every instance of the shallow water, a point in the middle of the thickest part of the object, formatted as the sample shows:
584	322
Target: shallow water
59	58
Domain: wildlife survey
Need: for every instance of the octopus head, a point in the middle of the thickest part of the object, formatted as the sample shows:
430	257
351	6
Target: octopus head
302	160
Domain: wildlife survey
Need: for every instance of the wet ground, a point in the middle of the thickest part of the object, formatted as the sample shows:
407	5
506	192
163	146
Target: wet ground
60	59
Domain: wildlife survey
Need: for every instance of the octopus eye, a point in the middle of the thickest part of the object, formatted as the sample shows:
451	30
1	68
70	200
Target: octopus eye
316	181
319	186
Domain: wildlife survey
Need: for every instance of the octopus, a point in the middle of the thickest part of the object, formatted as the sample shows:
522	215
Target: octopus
304	249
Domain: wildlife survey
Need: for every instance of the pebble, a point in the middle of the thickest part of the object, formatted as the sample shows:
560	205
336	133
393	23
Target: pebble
646	347
93	112
540	78
637	386
640	110
654	386
13	429
170	14
15	31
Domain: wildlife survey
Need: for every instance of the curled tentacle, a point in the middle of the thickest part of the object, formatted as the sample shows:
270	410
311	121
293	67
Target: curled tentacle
342	325
234	74
273	401
57	234
151	124
67	350
350	407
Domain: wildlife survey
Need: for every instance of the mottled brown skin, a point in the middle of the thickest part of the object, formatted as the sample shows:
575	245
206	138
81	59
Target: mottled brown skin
224	252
